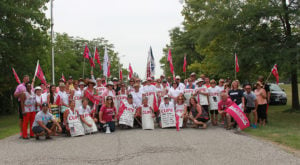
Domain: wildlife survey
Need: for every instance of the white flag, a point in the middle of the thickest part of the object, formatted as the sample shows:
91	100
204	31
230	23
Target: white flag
105	63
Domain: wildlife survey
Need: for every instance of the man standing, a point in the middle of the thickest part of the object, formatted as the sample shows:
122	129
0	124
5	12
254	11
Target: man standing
201	94
251	104
70	82
18	93
181	85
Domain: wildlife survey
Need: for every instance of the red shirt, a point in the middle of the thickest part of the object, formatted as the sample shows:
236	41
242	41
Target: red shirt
108	113
222	105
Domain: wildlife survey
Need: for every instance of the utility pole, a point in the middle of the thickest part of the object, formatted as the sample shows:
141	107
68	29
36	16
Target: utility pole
52	46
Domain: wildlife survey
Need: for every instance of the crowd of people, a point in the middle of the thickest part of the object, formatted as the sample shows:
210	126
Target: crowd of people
98	105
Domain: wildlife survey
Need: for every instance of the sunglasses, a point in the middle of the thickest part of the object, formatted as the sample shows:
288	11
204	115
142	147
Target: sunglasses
247	88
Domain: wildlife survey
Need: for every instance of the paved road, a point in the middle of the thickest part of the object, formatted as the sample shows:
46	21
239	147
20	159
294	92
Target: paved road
161	146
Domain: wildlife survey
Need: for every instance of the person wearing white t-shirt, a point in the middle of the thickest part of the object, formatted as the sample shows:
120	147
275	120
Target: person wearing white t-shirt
221	84
137	95
214	98
201	94
84	110
181	85
174	92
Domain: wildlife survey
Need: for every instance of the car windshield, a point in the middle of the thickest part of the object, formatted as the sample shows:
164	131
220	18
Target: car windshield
274	87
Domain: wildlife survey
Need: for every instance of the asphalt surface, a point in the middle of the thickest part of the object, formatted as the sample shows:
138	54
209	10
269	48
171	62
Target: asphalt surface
161	146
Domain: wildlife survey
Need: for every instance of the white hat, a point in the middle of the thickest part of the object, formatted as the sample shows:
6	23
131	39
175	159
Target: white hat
166	96
81	83
37	88
110	83
177	77
200	79
193	74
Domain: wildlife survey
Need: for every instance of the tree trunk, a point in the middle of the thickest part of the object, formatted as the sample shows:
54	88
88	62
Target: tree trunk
294	67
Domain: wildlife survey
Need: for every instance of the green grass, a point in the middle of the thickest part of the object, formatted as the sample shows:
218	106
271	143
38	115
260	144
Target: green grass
9	125
283	126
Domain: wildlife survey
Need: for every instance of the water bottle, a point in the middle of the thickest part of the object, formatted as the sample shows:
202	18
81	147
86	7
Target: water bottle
107	129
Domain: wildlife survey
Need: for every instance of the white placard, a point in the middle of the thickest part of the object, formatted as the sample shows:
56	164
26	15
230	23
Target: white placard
147	120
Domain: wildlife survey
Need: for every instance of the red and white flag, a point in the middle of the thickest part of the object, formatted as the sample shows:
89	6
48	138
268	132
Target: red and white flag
63	77
171	63
16	76
97	57
39	73
184	64
237	68
86	52
130	71
57	101
108	71
275	73
120	74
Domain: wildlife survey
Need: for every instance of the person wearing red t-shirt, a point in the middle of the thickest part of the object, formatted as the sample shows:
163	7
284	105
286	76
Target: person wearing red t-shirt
222	106
107	115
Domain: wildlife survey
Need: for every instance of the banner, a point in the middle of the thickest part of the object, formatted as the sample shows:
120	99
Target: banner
16	76
152	100
76	128
121	98
275	73
167	117
179	111
127	117
87	129
238	115
147	119
188	94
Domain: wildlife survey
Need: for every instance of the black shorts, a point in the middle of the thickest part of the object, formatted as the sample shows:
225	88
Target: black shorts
39	129
249	109
205	107
111	126
202	120
214	112
20	110
262	111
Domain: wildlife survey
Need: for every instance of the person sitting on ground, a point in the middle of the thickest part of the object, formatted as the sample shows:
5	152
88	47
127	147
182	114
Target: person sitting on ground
41	124
198	116
107	115
222	106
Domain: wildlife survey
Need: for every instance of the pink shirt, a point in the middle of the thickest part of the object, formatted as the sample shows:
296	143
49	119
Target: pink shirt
260	99
222	105
20	89
107	113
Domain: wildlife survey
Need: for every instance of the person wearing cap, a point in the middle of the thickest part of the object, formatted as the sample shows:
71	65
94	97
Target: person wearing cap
174	92
28	110
70	82
116	87
181	85
109	90
39	99
90	92
193	77
137	95
261	96
131	107
148	88
201	94
42	124
214	97
64	98
166	104
130	86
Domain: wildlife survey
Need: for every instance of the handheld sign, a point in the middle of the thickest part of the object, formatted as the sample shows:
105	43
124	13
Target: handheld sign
127	117
238	115
147	120
89	120
75	125
167	114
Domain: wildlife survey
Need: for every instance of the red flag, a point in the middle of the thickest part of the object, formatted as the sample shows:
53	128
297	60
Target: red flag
40	75
171	63
57	102
237	68
275	73
86	52
108	69
63	77
121	74
184	64
97	57
130	71
177	122
16	76
121	109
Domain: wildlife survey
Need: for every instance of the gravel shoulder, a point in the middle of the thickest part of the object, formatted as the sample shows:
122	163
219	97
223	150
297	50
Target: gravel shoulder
136	146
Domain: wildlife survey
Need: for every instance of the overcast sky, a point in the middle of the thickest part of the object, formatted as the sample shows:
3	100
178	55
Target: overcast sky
131	25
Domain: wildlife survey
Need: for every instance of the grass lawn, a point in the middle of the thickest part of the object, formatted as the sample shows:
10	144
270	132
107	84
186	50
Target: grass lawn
283	126
9	125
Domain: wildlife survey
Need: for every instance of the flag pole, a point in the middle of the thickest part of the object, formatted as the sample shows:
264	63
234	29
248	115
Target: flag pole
83	68
235	66
36	68
52	47
268	77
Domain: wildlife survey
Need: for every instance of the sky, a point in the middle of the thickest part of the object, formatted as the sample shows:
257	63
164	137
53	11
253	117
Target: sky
131	25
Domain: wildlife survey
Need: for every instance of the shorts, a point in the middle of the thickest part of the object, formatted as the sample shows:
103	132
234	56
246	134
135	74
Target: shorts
262	111
205	107
202	120
20	110
39	129
249	109
214	112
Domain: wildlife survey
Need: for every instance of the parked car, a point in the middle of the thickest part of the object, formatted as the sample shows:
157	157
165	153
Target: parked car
278	96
